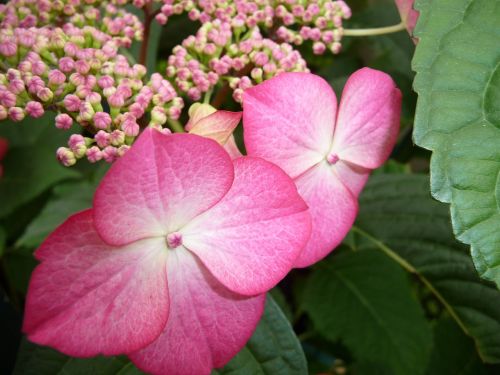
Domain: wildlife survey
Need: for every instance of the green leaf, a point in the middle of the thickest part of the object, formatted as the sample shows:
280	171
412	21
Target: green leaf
67	199
453	352
38	360
273	349
32	168
398	217
457	62
364	299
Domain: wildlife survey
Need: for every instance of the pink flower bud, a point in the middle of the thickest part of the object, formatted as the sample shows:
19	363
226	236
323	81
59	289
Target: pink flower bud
117	138
16	114
110	154
45	94
102	120
56	77
72	103
65	156
102	138
116	100
66	64
63	121
93	154
105	81
34	109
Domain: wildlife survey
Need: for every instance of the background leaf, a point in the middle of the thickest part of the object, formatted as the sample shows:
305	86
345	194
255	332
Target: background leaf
398	216
364	300
31	168
458	81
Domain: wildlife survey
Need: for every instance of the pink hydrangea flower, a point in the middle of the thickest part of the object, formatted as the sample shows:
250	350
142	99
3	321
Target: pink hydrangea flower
292	120
170	265
208	122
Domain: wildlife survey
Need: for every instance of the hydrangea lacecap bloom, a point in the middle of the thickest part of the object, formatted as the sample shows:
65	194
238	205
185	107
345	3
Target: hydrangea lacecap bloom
171	263
292	120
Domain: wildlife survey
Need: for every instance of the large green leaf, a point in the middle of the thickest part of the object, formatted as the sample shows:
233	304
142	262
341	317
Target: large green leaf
273	349
364	299
453	352
31	166
67	199
398	216
458	117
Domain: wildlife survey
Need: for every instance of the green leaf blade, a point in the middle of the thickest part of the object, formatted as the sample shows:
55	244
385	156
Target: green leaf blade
457	62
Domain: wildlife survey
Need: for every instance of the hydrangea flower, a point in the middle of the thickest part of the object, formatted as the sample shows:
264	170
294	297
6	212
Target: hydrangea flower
171	263
292	121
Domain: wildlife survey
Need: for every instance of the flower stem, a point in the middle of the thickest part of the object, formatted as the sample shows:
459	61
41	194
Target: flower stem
176	126
148	18
375	31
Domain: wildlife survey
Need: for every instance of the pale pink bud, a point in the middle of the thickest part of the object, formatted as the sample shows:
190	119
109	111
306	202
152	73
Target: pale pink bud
72	103
16	114
117	137
102	120
110	154
94	154
102	138
56	77
34	109
65	156
105	82
63	121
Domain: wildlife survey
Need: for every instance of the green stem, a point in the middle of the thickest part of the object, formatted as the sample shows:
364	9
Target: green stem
208	95
176	126
375	31
408	267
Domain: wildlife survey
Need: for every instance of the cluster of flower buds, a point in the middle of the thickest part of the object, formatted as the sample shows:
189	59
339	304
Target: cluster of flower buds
213	56
79	74
293	21
104	15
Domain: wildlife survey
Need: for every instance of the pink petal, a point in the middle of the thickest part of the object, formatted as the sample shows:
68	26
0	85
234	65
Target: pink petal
251	238
159	185
207	325
197	111
408	15
333	209
289	120
368	119
88	298
218	126
232	149
352	176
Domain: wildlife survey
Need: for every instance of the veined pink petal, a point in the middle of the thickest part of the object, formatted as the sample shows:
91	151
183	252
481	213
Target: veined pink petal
368	119
232	149
207	325
289	120
252	237
333	209
352	176
159	185
88	298
218	126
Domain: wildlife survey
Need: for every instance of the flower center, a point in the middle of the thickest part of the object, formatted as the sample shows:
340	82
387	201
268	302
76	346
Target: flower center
174	240
332	158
